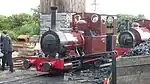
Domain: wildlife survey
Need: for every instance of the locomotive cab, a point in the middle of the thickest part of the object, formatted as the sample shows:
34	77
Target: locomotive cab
96	28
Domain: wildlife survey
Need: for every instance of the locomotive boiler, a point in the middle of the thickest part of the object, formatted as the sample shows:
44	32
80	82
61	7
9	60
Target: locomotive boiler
56	44
91	38
139	32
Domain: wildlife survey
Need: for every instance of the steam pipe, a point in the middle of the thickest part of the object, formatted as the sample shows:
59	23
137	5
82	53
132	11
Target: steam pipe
53	18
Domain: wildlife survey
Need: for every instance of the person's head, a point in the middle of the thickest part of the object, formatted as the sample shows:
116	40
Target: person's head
135	24
4	32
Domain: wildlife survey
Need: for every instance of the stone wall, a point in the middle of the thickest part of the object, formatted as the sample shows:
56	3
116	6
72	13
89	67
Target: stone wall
63	20
133	70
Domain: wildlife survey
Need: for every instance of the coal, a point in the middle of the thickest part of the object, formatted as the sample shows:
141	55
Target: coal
95	76
142	49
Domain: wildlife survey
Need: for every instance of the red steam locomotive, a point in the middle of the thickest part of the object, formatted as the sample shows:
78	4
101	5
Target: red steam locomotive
92	38
129	37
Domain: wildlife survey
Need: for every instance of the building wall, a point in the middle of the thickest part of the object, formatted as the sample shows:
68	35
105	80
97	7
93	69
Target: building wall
64	6
64	13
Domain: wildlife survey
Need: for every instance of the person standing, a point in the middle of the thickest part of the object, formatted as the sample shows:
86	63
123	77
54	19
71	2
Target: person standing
7	51
1	54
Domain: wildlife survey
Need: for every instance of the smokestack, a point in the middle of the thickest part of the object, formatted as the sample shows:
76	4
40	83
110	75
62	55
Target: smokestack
127	24
53	18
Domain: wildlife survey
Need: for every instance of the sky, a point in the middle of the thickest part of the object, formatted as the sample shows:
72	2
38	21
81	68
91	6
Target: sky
9	7
134	7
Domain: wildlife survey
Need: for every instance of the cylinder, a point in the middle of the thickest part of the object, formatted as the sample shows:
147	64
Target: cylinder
47	66
27	64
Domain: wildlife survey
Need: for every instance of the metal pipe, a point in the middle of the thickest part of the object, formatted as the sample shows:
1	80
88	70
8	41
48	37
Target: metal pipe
114	80
53	18
68	65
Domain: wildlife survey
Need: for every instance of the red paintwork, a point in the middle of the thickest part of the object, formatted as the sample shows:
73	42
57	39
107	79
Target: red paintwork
114	42
81	25
90	25
95	44
121	51
105	81
143	33
79	40
144	23
90	60
72	53
76	38
56	64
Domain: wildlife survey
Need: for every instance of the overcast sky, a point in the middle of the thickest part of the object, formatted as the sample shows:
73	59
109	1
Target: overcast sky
8	7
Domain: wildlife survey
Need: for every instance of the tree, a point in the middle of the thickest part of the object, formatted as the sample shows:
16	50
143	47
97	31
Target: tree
18	20
36	14
141	17
3	21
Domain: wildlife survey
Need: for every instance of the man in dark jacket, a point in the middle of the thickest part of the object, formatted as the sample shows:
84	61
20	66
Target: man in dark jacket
7	51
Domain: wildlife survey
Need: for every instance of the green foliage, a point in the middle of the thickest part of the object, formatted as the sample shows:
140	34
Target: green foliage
3	20
36	14
131	18
30	29
23	23
13	34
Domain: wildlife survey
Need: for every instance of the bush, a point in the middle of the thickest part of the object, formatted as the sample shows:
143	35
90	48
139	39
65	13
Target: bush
13	35
30	29
27	29
23	23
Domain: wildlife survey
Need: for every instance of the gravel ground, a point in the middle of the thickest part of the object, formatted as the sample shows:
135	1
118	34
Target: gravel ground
6	76
39	80
81	77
